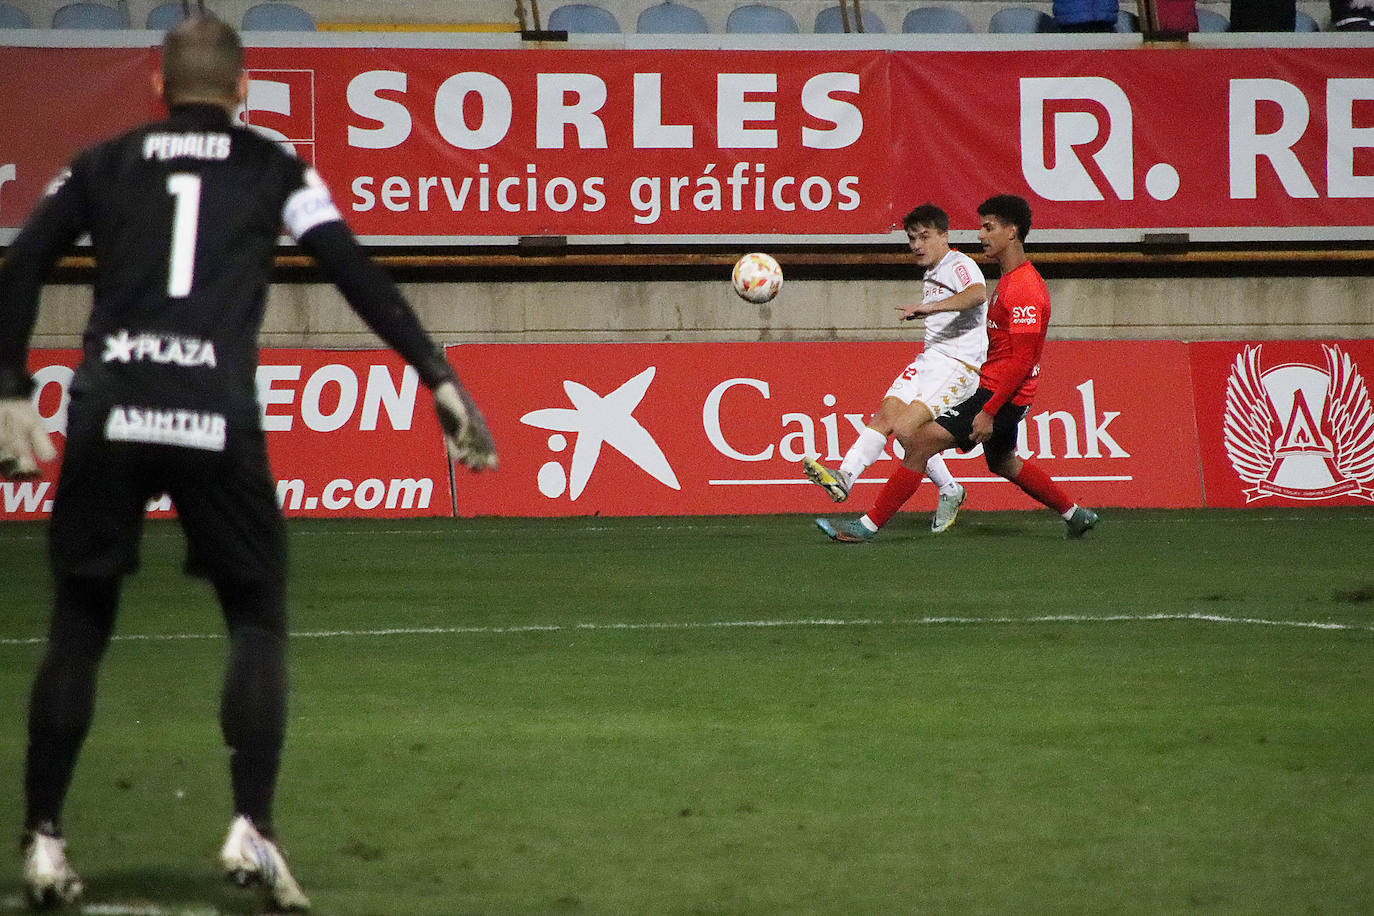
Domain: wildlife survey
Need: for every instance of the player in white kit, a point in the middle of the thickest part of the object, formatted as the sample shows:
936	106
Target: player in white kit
954	306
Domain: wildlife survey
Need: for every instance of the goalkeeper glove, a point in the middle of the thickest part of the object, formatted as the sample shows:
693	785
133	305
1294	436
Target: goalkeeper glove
23	443
465	432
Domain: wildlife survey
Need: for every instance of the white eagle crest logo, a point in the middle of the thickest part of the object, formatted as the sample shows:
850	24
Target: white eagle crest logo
1298	431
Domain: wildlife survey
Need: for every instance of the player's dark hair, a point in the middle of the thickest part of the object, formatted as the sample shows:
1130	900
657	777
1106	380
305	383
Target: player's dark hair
927	215
202	59
1010	210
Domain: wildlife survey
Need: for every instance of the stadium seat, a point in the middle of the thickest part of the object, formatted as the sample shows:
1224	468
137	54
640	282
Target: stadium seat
1021	20
1306	23
584	19
936	19
12	17
166	16
1211	21
829	21
277	17
1127	23
670	18
760	19
88	16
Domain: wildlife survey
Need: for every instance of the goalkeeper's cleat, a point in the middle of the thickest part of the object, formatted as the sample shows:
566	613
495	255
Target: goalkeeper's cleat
249	859
49	880
852	532
947	510
836	483
1081	522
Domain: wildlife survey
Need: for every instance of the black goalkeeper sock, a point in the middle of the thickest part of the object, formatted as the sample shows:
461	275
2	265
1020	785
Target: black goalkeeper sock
253	705
63	697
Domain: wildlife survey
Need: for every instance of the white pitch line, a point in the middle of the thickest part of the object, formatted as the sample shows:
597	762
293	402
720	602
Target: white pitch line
749	625
123	909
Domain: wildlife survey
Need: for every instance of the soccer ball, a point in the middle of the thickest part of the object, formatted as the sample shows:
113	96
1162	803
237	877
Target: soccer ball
757	277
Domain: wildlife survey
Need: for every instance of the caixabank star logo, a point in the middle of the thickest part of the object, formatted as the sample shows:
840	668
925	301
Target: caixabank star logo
1299	430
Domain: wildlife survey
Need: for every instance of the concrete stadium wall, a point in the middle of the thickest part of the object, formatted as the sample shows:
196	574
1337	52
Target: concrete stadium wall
1250	308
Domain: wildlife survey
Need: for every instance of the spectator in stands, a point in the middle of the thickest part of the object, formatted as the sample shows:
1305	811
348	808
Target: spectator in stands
1352	15
1173	18
1086	15
1264	15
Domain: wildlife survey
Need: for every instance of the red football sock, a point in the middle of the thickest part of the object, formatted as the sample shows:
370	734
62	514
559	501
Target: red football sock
898	489
1038	484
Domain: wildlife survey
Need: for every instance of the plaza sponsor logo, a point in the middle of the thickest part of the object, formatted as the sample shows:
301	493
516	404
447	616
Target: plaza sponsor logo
185	428
1299	430
164	349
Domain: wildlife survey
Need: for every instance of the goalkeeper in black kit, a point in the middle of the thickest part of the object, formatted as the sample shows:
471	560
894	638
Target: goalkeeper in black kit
183	216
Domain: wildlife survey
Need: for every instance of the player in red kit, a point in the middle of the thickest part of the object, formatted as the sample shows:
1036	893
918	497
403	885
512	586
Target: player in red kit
1018	318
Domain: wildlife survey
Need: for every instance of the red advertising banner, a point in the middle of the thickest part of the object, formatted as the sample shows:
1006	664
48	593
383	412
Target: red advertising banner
434	144
682	429
1268	137
349	433
57	101
1285	423
721	428
352	433
483	142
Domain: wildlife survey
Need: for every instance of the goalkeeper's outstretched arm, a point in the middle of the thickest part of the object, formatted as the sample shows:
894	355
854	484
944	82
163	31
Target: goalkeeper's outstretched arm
377	300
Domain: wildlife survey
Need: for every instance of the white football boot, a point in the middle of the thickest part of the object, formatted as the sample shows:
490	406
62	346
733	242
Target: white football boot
250	858
49	880
947	510
836	483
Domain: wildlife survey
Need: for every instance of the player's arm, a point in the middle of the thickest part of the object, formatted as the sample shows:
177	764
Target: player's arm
971	296
1016	369
316	225
49	231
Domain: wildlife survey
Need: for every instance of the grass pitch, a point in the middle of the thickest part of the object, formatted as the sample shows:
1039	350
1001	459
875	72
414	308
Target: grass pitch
719	715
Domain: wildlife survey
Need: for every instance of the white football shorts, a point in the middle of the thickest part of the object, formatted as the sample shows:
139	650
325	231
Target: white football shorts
938	381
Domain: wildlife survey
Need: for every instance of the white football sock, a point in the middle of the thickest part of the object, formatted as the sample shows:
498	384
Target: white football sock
940	475
867	449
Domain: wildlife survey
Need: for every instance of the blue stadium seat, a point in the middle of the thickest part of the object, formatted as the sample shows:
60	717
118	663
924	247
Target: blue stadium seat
670	18
1127	23
1306	23
936	19
760	19
1021	20
166	16
88	16
277	17
830	21
583	18
12	17
1211	21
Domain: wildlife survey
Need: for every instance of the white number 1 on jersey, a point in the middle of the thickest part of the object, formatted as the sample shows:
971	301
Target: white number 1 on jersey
181	264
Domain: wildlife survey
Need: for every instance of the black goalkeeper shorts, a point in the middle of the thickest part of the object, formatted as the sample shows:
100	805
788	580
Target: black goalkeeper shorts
959	424
225	500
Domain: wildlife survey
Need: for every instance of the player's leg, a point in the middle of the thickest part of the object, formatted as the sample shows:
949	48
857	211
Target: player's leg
1000	451
236	538
867	449
941	384
92	539
62	700
921	440
61	705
